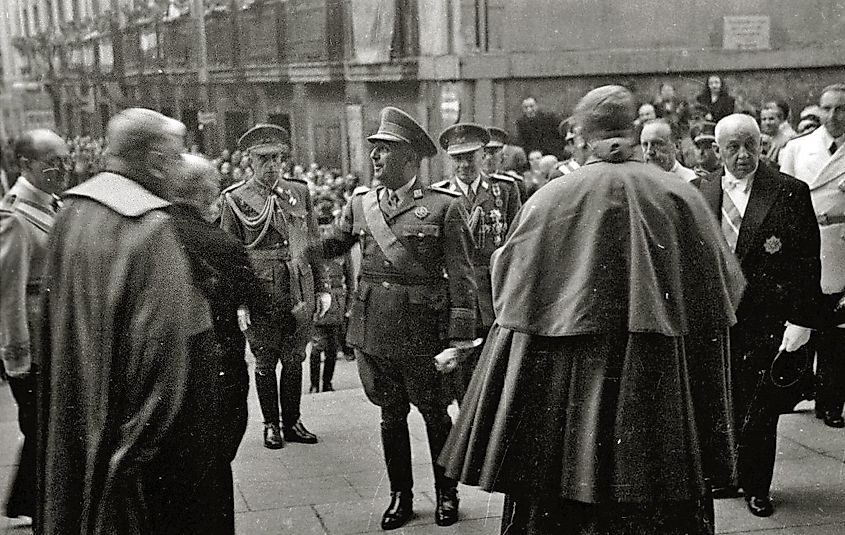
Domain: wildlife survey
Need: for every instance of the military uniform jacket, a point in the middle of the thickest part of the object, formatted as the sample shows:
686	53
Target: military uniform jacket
807	158
276	225
490	214
411	303
26	218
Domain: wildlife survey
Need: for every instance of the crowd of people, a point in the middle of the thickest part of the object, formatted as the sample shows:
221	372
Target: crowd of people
621	326
548	147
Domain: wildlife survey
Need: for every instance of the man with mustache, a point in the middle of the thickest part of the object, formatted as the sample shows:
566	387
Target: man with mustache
415	298
274	218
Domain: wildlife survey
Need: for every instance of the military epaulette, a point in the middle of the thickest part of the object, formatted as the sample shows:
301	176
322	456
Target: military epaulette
503	178
515	175
360	190
442	184
233	187
444	190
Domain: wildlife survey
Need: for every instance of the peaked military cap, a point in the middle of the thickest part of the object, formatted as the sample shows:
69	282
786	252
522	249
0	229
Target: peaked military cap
463	137
265	139
397	126
707	131
498	137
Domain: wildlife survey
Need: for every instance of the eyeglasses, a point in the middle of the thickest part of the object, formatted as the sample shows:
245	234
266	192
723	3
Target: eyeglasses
61	163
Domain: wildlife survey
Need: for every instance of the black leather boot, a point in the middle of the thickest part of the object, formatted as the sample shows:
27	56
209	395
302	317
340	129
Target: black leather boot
397	458
400	510
446	512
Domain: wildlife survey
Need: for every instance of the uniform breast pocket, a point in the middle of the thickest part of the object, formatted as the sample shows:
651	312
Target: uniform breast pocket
424	238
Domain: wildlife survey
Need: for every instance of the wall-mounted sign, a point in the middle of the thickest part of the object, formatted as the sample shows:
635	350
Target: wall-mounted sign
746	32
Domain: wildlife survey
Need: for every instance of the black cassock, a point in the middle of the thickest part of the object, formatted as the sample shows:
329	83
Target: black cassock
601	402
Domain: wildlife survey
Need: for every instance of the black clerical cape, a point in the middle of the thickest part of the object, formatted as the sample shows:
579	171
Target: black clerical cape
606	377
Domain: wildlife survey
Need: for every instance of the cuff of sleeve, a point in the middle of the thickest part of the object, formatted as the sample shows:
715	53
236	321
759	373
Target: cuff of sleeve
16	359
461	324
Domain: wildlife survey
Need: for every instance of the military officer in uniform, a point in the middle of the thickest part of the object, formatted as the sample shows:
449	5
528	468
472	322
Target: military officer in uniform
274	219
492	164
26	218
491	202
415	297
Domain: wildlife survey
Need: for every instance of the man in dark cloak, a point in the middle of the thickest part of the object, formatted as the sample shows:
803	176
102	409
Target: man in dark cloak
119	311
601	403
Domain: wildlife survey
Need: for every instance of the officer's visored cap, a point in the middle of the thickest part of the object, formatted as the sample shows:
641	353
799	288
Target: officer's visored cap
498	137
397	126
265	139
706	132
463	137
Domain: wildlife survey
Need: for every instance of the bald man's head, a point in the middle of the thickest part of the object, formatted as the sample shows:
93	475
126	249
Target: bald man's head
738	143
44	159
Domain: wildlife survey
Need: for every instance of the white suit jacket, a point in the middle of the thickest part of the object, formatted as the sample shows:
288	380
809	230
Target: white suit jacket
808	158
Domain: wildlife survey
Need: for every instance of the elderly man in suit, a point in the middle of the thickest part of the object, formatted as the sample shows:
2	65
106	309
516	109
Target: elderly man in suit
818	159
767	219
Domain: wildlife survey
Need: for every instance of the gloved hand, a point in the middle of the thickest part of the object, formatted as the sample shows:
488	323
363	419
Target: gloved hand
794	336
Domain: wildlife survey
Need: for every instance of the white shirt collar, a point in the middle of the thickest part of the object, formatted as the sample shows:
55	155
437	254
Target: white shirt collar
465	187
729	181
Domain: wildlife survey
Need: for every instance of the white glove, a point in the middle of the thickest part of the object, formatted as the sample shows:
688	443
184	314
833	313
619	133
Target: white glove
324	303
447	360
243	318
794	337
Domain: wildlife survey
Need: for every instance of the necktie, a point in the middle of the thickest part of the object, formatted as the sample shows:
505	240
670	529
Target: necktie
393	200
731	221
832	148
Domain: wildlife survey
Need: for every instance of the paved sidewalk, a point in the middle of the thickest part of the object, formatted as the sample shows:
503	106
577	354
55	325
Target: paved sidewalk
339	486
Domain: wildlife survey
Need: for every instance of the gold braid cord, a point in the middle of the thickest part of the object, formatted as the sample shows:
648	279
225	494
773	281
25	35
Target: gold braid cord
262	220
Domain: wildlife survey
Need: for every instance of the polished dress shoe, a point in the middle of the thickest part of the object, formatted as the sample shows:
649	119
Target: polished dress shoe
298	433
400	510
726	493
446	512
831	419
272	437
760	505
328	387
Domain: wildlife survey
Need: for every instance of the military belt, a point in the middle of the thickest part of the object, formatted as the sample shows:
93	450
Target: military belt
277	253
400	280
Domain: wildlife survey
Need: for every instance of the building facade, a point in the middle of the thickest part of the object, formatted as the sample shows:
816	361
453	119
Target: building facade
324	68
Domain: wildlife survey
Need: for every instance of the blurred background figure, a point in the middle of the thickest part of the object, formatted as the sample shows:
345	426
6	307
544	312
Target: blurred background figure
716	99
27	212
537	129
328	340
774	122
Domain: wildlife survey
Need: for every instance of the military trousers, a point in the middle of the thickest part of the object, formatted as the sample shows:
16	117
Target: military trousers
22	496
272	344
394	384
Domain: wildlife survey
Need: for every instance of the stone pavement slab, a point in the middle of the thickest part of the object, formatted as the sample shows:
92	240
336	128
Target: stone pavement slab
339	486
